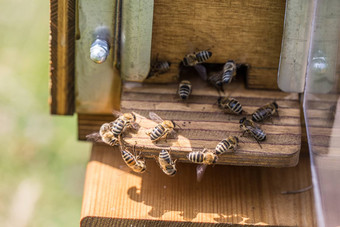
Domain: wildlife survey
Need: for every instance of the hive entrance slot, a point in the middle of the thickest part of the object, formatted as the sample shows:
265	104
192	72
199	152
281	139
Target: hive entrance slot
204	125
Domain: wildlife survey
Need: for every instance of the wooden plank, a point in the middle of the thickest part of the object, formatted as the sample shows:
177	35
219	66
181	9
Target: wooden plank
227	195
62	38
204	125
245	31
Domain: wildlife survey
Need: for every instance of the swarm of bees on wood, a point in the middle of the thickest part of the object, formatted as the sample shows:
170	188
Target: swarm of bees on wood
112	133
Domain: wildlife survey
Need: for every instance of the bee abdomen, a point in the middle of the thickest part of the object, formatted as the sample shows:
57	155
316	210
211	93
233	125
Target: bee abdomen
128	158
227	77
157	132
184	91
164	156
222	147
259	135
260	115
163	66
202	56
196	157
118	126
235	106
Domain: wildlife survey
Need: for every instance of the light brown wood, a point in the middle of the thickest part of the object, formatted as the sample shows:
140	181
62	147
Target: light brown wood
62	33
115	196
203	124
245	31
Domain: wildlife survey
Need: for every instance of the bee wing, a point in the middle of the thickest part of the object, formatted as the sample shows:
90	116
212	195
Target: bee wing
200	170
153	116
94	137
215	77
116	113
202	71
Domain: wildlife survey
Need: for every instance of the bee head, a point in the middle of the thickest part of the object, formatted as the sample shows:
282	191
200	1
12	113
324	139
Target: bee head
209	53
242	120
219	100
169	63
236	138
275	104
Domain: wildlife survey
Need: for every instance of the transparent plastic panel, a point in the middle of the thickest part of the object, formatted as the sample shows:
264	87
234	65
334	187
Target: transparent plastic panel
322	110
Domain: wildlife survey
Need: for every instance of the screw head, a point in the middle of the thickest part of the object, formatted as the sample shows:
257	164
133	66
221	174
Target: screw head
99	51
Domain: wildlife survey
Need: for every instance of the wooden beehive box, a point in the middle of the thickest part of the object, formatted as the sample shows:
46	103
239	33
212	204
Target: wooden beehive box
248	32
245	31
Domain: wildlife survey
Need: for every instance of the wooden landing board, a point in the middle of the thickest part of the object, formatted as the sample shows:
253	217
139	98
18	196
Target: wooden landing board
62	40
204	125
245	31
227	195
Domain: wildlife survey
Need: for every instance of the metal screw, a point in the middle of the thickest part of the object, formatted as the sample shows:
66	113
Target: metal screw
319	62
99	51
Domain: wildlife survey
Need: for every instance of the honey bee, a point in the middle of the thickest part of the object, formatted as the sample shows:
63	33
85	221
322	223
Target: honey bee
165	162
265	112
107	136
124	121
161	130
229	71
109	132
248	126
184	89
132	161
228	144
159	67
196	58
230	105
202	157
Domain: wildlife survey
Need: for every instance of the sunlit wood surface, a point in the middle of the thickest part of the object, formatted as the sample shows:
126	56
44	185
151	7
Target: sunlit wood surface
115	196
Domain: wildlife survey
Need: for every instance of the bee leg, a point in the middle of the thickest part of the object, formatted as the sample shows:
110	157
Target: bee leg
258	143
244	132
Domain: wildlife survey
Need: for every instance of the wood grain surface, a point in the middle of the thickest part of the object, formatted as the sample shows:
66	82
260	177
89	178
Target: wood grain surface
245	31
62	41
203	124
227	195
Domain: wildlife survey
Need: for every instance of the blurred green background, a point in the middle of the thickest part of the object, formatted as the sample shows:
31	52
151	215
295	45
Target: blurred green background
42	165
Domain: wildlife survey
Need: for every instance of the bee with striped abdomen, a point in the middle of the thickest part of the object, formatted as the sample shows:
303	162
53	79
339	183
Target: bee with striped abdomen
229	71
105	135
165	162
109	132
202	157
132	161
159	67
265	112
229	105
124	121
184	89
161	130
196	58
228	144
248	126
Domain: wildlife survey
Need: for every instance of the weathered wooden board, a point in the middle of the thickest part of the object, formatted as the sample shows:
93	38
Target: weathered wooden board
245	31
62	38
203	124
227	195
